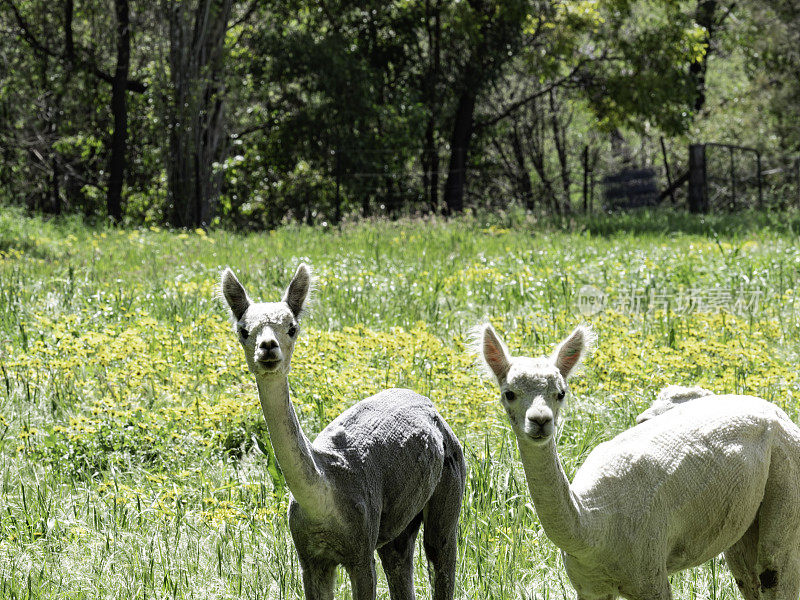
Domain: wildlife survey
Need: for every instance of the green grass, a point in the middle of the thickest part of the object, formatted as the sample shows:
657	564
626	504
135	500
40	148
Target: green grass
127	414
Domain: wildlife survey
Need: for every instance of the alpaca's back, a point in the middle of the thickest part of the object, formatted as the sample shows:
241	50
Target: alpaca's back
671	396
694	477
390	450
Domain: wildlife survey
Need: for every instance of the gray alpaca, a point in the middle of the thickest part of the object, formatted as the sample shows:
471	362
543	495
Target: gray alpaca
370	478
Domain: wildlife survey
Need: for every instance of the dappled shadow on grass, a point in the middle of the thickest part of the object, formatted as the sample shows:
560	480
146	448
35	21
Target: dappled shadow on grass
15	244
21	234
665	221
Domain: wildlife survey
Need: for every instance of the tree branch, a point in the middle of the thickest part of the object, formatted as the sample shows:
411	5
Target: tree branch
77	61
514	106
571	77
724	16
253	129
33	42
245	17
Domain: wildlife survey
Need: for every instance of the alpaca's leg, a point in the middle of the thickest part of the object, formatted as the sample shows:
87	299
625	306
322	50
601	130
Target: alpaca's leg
440	519
363	579
397	558
650	588
778	564
319	580
782	583
741	559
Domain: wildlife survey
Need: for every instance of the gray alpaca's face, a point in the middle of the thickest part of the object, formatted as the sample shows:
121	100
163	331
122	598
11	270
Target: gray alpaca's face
532	394
532	390
267	330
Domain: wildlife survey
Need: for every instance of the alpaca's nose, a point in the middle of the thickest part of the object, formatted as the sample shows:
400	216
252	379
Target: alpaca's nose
268	344
540	420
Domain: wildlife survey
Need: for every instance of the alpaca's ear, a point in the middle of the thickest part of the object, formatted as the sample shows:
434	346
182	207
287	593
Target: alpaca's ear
571	351
494	353
297	293
234	294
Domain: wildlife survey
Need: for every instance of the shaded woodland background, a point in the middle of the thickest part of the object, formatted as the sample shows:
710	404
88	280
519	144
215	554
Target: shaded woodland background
251	113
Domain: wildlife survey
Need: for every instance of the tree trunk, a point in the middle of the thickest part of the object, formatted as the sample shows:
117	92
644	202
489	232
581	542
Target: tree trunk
560	142
430	158
69	42
459	153
535	136
523	176
430	166
196	129
119	108
55	185
705	17
85	62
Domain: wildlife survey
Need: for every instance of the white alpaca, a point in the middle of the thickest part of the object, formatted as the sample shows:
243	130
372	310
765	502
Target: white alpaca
744	552
370	478
671	396
719	473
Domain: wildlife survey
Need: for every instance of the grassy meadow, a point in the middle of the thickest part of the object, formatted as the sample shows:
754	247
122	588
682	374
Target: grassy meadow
127	415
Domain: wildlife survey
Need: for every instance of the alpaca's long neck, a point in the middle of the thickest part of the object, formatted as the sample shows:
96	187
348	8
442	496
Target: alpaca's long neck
558	509
296	456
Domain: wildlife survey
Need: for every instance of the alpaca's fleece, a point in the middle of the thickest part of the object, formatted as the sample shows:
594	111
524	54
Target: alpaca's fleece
671	396
382	468
678	490
714	474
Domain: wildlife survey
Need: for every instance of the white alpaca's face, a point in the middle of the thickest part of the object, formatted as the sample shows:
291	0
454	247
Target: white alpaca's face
533	390
532	394
267	331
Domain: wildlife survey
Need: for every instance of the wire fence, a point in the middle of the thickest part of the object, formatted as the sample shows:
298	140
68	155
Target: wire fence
397	180
727	177
733	177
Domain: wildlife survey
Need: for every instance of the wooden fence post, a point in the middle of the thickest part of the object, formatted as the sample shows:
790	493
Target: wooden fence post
586	179
797	179
760	187
670	187
698	197
338	177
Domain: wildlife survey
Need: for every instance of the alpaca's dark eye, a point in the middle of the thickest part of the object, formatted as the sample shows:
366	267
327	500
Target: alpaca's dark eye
561	395
509	396
292	331
243	332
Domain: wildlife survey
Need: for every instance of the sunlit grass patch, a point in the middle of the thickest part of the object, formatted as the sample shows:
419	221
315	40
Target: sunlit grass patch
134	392
127	414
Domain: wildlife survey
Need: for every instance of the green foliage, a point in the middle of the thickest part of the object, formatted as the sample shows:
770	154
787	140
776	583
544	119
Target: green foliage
273	468
640	77
351	107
